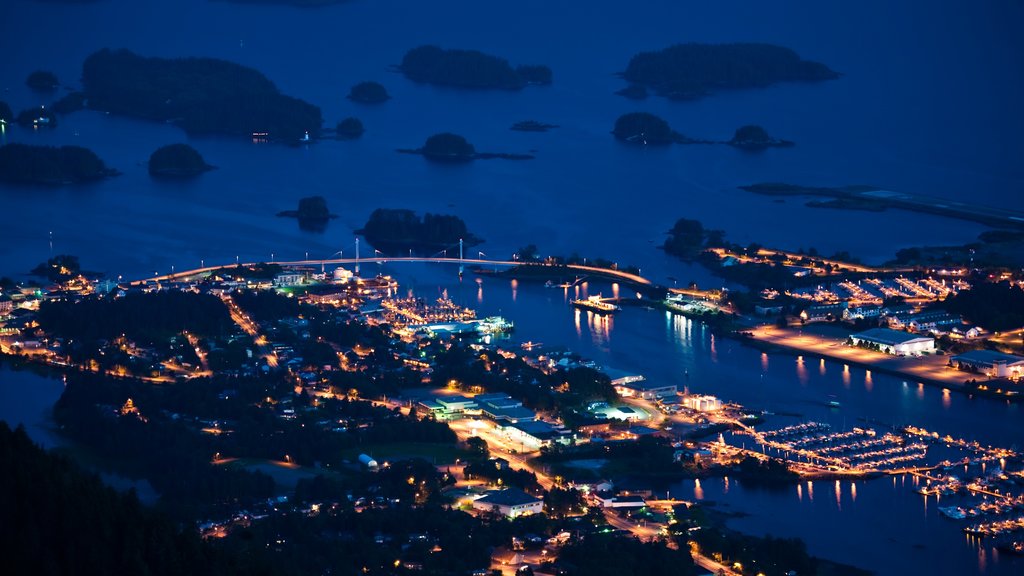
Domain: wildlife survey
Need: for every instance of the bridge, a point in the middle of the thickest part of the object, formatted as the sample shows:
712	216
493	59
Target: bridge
621	275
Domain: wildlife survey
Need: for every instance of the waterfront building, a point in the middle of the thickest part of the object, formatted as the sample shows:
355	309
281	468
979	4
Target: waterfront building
510	502
894	341
931	319
288	279
990	363
645	389
702	403
862	312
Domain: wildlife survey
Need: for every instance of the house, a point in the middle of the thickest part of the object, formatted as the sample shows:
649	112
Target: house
510	502
931	319
990	363
620	501
824	312
862	312
288	279
894	342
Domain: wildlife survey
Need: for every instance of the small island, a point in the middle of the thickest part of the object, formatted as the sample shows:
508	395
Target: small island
646	129
688	71
177	161
41	117
25	164
312	213
202	95
448	148
752	137
469	69
368	93
42	81
532	126
70	102
401	231
349	129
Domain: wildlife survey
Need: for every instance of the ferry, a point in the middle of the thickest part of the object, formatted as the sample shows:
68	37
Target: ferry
597	305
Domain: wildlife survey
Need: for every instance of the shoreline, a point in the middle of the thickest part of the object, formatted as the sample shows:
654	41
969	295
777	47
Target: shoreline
752	341
871	198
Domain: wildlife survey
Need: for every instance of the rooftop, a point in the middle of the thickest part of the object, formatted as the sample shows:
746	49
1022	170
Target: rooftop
988	357
508	497
890	337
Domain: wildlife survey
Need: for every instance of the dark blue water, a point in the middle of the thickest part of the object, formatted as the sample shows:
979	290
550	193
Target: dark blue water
929	103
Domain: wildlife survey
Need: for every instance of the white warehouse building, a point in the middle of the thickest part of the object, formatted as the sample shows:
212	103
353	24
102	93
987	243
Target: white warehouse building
895	342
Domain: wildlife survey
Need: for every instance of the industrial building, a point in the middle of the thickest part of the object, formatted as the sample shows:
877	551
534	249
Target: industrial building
894	342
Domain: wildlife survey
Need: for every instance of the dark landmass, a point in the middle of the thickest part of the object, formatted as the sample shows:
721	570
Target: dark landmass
177	161
995	306
994	249
6	115
143	317
469	69
350	129
46	498
70	102
764	555
633	92
753	137
533	126
368	93
688	71
451	148
312	213
861	197
615	556
25	164
687	239
41	117
60	268
770	472
42	81
644	128
202	95
400	230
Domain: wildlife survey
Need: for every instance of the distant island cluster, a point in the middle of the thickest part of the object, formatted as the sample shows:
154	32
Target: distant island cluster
212	96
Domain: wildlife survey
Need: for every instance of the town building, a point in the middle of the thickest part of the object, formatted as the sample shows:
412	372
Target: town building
824	312
535	435
503	408
990	363
894	342
450	407
510	502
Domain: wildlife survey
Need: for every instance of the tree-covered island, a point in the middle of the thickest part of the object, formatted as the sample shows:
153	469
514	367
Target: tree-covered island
400	230
349	129
26	164
455	149
177	161
369	93
687	71
202	95
312	213
753	137
469	69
